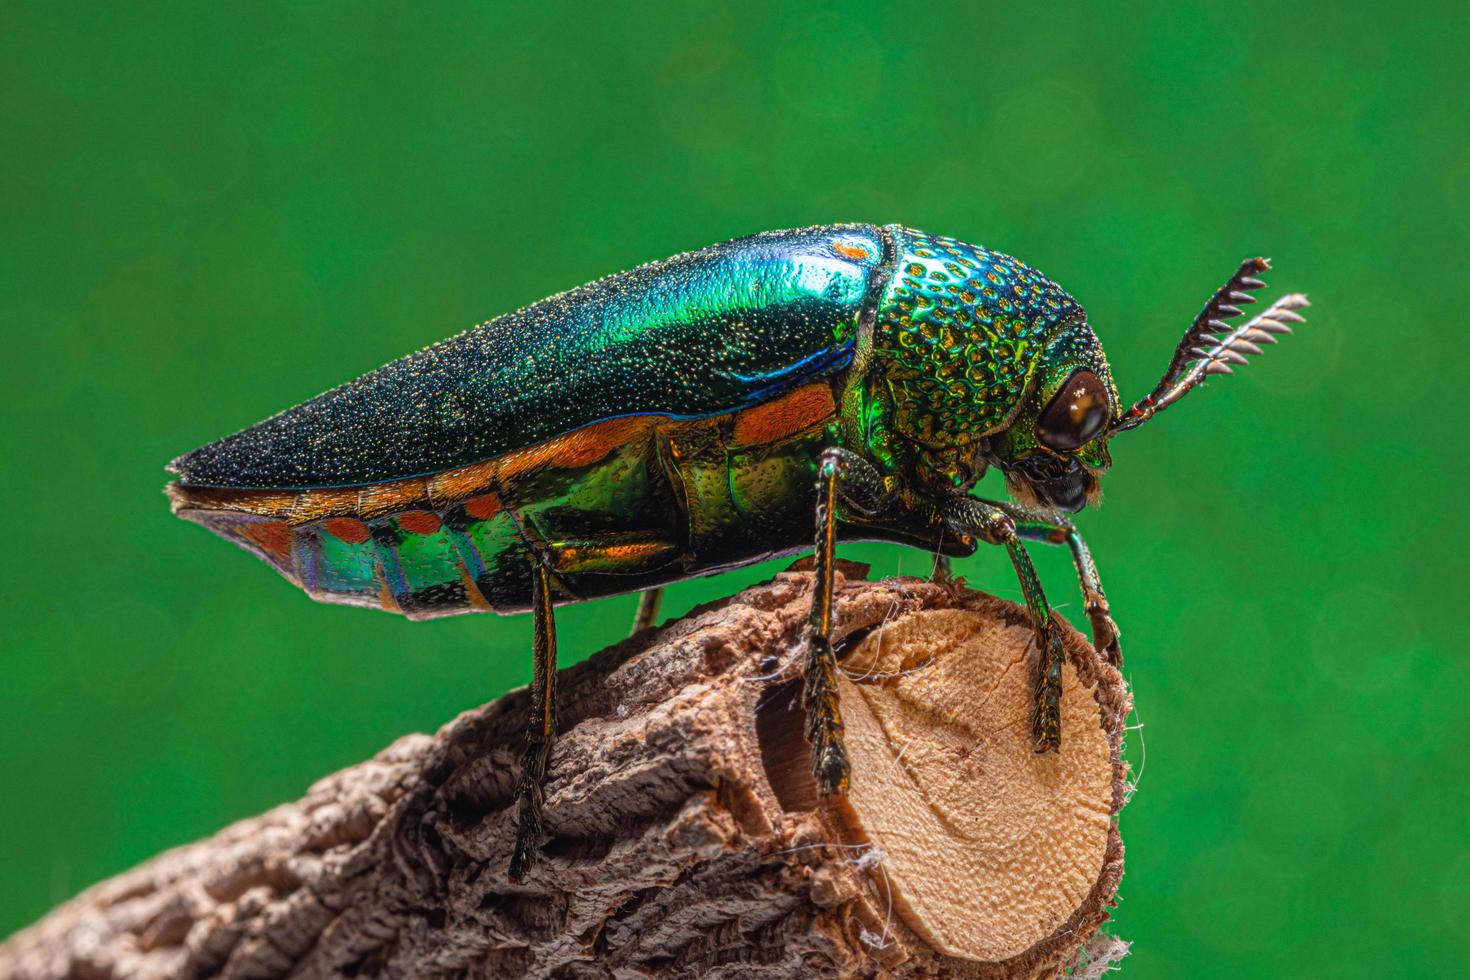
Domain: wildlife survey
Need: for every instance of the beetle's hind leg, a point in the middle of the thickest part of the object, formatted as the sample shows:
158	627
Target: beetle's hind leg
648	603
943	570
541	729
992	524
845	474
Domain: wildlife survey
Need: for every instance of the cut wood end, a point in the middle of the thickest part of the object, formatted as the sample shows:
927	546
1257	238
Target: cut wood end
992	851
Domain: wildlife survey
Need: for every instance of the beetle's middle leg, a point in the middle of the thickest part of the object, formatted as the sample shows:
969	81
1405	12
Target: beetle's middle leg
991	524
541	729
846	474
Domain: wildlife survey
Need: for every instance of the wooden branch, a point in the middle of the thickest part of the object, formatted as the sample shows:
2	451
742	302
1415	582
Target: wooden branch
684	833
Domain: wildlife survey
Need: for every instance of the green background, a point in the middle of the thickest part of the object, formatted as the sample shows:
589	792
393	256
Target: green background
213	211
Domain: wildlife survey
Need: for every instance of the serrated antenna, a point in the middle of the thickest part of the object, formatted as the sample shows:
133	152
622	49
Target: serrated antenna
1202	352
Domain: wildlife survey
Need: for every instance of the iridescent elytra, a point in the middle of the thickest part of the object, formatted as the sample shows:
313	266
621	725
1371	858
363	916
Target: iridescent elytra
721	407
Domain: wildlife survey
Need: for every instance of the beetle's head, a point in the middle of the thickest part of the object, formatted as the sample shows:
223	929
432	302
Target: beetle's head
987	362
1056	446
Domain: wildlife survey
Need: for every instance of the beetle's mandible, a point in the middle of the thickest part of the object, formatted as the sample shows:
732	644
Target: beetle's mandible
700	413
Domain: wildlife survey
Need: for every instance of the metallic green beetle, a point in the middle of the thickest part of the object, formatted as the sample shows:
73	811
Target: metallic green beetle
700	413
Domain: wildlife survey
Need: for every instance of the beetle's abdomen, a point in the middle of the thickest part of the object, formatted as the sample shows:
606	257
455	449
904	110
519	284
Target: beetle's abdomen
617	506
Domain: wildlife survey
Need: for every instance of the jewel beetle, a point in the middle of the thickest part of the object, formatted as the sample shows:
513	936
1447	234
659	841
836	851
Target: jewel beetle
721	407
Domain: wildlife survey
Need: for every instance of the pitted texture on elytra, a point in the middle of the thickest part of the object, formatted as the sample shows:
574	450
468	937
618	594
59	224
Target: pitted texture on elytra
959	330
702	333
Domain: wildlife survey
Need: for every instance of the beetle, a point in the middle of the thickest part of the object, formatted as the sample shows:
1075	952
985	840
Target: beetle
704	412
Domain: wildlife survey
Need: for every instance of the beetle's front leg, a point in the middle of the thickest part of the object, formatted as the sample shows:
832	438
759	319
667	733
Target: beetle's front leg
542	726
846	474
991	524
1057	529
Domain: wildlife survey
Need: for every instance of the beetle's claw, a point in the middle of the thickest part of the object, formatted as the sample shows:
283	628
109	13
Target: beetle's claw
522	856
1046	735
1105	635
528	834
1046	722
1105	630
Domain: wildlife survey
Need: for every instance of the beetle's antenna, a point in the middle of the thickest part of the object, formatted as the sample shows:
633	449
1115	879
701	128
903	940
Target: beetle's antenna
1202	353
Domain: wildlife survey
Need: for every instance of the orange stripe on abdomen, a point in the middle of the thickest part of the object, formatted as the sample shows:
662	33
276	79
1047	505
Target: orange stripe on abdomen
786	416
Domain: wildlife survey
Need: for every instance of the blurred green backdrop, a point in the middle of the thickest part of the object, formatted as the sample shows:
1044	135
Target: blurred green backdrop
214	211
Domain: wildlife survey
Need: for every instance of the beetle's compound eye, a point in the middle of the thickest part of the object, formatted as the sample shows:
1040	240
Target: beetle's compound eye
1076	415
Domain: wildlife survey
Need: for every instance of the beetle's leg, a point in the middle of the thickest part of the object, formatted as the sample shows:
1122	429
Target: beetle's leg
838	472
943	569
992	524
648	603
542	727
1056	529
1105	632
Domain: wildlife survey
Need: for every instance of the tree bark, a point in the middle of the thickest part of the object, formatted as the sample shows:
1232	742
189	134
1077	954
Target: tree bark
684	834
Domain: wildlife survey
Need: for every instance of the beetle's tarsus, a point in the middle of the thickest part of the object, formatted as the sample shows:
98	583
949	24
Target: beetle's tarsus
1046	710
830	767
529	826
1105	632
